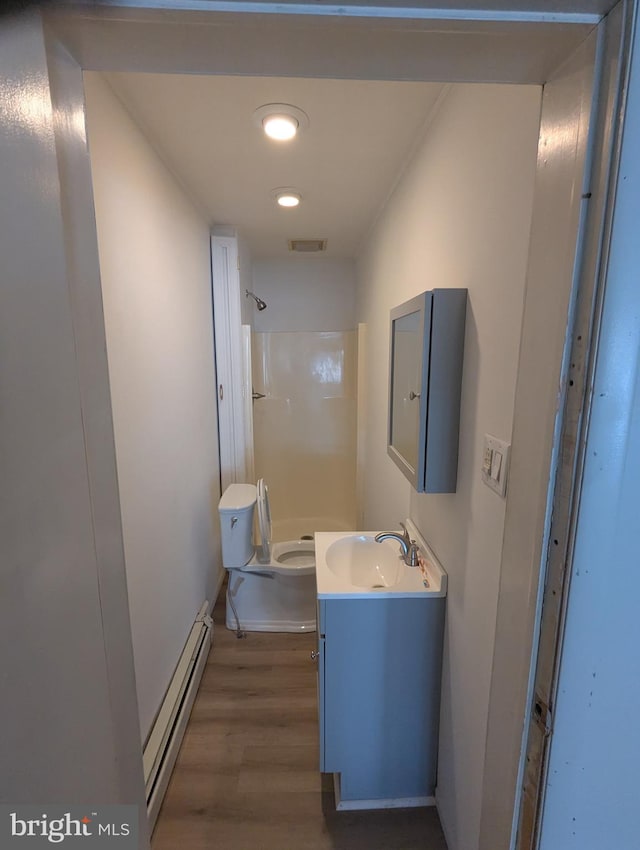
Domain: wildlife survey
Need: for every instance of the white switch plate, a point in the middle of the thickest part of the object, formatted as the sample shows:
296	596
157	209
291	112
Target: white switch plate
495	464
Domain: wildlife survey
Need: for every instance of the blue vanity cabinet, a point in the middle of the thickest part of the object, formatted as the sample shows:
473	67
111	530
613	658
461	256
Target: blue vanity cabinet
379	668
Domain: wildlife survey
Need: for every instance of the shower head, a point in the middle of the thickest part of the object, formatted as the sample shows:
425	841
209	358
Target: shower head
261	305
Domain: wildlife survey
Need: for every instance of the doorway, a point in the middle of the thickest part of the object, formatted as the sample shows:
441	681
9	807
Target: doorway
307	34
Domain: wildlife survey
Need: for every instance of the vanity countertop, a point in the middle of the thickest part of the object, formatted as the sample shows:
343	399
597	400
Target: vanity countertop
351	565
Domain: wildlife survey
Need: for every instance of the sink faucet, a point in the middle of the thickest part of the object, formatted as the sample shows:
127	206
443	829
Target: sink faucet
408	547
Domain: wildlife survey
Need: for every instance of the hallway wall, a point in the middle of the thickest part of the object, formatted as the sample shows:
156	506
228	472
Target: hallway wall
155	268
63	617
459	217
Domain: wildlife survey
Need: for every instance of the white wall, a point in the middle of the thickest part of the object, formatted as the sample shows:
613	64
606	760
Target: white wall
460	217
305	294
245	274
155	266
63	615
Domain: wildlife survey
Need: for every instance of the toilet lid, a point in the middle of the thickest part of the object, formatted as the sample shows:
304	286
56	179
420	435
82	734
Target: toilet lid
264	521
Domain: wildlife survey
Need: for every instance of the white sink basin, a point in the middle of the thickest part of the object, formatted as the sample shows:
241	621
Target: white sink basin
350	564
364	563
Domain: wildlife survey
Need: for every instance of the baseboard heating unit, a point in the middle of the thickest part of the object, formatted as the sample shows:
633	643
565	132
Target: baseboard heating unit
162	747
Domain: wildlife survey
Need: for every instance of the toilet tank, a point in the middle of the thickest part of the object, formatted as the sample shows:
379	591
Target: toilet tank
236	524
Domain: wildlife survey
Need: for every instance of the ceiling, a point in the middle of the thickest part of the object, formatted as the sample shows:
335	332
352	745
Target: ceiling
345	164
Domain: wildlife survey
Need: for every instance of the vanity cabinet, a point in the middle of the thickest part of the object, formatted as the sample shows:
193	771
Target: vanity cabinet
379	667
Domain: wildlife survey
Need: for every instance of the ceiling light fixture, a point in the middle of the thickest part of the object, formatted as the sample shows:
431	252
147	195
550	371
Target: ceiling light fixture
280	121
286	196
280	127
288	199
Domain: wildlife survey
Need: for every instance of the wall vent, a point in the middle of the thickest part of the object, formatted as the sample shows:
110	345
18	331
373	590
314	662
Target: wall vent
307	246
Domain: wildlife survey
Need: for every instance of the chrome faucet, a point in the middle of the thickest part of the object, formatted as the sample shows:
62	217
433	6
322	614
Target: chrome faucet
408	547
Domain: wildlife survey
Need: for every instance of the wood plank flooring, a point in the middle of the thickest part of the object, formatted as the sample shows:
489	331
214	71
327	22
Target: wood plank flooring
247	774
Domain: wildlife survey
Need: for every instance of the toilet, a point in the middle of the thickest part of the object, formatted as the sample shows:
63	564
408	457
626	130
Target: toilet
272	586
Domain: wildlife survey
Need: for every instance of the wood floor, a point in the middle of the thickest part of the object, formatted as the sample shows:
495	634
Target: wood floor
247	777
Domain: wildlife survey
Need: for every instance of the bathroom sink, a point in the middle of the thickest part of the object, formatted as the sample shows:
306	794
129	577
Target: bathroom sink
364	563
351	564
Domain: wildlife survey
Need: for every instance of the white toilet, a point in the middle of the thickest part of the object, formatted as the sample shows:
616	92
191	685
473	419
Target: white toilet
272	587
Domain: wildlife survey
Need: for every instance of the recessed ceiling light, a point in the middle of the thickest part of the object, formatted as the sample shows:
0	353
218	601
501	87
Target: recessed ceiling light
280	127
280	121
287	198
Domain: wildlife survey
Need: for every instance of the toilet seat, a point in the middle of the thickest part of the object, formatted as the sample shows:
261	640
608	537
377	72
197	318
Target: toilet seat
264	521
297	556
293	557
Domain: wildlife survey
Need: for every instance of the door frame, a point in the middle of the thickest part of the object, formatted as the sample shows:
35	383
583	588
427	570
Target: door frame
574	414
113	38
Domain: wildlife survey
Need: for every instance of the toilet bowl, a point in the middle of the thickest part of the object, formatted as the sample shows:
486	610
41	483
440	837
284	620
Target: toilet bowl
272	586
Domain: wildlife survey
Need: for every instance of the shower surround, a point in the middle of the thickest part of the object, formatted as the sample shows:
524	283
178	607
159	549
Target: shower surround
305	429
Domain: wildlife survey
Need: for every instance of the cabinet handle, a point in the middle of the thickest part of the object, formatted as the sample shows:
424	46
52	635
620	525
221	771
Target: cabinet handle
315	654
413	395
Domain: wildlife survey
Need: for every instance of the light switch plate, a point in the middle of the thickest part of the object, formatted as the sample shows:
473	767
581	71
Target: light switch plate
495	464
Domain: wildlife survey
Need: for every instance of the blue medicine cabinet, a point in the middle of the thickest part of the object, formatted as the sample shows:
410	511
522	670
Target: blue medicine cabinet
425	380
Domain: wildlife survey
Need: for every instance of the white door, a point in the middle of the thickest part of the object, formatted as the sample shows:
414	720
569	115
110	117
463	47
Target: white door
229	361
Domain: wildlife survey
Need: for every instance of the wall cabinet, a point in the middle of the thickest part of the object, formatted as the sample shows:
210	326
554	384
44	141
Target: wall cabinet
379	667
426	343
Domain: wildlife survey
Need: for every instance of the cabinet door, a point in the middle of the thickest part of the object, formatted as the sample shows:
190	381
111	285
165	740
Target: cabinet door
425	381
381	696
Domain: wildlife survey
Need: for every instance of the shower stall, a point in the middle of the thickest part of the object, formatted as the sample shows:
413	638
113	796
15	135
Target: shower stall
287	363
304	427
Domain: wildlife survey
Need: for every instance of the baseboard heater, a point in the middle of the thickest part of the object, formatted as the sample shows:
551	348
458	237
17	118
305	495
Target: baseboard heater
162	747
